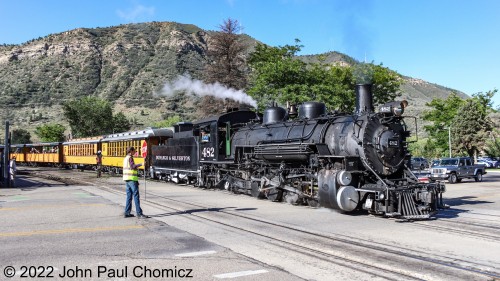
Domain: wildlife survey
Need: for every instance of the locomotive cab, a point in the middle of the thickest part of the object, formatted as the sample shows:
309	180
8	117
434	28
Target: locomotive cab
215	135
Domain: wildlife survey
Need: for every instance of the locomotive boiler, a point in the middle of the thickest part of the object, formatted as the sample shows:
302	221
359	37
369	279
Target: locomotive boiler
347	162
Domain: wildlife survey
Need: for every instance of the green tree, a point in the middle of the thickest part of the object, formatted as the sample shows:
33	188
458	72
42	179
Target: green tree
472	127
89	116
493	145
425	147
19	136
441	115
417	147
386	84
274	72
277	75
120	123
169	122
50	132
467	120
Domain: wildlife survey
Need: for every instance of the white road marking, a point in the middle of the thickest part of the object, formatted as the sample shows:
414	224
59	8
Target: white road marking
194	254
240	274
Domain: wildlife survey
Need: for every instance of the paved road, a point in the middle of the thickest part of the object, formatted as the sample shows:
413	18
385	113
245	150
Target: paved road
71	233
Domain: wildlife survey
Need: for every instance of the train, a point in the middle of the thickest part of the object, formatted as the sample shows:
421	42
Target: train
81	153
349	162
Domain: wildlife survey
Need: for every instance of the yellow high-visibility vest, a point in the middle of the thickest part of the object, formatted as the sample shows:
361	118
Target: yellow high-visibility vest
128	173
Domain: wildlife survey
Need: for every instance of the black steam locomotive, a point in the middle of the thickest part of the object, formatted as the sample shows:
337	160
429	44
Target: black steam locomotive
342	161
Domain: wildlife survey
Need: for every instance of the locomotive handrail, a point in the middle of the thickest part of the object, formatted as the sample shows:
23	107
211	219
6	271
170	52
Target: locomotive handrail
373	172
416	127
411	173
355	122
291	127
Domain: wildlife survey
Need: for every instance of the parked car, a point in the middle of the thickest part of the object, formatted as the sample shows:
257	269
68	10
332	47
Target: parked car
456	169
492	161
435	162
422	176
484	162
419	163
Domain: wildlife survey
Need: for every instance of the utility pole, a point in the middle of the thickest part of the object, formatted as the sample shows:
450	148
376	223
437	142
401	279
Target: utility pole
6	157
449	139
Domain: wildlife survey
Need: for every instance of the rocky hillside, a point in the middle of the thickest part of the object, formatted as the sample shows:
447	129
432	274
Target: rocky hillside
127	65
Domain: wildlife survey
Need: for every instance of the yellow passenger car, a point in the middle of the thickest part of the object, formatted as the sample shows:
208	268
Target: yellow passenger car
47	153
114	147
19	151
81	153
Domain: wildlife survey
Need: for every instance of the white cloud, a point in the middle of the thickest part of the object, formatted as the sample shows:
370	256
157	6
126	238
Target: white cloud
136	12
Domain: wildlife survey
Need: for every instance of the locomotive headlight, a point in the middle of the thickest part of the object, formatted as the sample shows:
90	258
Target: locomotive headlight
381	196
395	107
399	107
398	111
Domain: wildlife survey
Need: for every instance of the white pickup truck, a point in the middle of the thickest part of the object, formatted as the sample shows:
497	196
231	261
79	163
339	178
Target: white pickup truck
456	169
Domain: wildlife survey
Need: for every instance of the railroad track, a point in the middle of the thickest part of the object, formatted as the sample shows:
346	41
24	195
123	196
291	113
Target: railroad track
377	259
481	225
383	260
465	227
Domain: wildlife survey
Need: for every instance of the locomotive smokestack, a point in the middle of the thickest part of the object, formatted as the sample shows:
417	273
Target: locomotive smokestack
364	98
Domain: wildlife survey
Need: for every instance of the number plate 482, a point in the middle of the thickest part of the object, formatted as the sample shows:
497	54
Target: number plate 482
208	152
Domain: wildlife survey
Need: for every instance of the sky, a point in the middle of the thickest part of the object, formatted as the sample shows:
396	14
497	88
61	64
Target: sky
453	43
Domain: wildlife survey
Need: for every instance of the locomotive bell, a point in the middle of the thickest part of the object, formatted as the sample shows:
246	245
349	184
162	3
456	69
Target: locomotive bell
292	109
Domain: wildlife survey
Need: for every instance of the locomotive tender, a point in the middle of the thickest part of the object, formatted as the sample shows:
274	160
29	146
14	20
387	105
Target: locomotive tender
346	162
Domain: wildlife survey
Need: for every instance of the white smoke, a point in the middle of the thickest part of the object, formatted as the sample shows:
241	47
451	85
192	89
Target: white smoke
201	89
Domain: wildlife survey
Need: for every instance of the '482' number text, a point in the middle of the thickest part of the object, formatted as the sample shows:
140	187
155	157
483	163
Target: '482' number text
208	152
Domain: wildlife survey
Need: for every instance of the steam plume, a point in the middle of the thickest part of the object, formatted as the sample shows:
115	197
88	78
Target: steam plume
197	87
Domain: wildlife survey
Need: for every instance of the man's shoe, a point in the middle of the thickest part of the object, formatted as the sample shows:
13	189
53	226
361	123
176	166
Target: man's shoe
143	217
128	216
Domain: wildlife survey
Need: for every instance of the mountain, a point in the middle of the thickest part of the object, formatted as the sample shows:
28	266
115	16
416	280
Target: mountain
127	65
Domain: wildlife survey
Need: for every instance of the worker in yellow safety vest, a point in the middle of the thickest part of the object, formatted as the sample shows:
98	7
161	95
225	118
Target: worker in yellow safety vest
131	178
